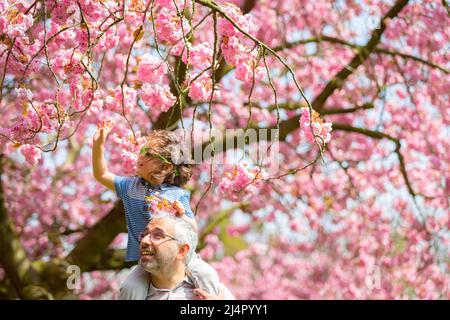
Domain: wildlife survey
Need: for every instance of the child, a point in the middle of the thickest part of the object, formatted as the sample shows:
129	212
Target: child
160	173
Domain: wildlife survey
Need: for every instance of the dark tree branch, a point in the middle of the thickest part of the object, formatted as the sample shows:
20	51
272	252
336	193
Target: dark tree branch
361	55
90	249
298	105
291	124
13	257
215	221
335	40
380	135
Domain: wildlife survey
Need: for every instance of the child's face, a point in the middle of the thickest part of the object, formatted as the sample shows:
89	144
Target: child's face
147	165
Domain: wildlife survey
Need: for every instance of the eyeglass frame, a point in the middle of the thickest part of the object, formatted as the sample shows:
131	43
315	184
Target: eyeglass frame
144	233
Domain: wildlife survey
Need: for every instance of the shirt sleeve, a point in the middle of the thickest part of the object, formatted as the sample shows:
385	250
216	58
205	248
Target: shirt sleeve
185	201
120	184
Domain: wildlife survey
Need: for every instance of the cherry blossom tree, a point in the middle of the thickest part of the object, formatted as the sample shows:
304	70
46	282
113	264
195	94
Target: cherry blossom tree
356	92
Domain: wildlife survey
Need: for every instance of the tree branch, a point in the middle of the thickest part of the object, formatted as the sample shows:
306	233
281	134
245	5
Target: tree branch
215	221
380	135
13	257
291	124
298	105
361	55
323	38
90	249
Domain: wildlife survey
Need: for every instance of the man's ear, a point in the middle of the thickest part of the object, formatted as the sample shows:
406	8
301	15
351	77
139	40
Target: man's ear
183	251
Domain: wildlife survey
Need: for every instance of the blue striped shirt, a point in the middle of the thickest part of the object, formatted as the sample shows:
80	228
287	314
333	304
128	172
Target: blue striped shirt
132	191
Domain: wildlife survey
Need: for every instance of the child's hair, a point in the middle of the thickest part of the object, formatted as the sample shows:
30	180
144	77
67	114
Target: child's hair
170	146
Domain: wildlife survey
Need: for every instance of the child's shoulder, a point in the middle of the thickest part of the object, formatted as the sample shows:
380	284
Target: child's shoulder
177	191
130	182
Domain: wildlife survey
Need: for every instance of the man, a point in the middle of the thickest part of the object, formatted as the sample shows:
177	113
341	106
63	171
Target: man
167	245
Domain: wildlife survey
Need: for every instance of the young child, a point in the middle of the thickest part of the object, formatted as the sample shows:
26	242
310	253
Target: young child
159	174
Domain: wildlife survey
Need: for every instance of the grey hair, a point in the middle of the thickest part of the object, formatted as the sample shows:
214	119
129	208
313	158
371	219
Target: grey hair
184	233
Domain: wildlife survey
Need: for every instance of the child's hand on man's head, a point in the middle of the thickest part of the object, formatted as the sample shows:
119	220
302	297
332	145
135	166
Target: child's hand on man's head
103	129
179	208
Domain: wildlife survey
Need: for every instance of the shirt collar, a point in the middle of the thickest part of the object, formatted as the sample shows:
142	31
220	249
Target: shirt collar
153	290
162	186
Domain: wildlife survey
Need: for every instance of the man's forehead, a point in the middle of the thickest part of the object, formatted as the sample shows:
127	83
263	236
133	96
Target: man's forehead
160	223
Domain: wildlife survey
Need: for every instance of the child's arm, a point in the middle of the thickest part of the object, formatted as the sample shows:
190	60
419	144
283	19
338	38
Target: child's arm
99	167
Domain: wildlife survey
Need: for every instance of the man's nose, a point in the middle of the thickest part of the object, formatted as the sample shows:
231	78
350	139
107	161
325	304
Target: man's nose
145	242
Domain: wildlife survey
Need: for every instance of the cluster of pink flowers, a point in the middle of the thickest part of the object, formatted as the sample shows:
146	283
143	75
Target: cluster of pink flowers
130	150
63	10
43	117
242	183
157	96
113	101
247	65
243	21
213	246
67	64
13	21
154	92
109	40
31	153
151	69
235	52
200	56
201	88
82	90
169	26
321	129
170	4
129	160
247	70
24	94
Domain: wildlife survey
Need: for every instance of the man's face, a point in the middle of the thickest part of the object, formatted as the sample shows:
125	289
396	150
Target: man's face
159	256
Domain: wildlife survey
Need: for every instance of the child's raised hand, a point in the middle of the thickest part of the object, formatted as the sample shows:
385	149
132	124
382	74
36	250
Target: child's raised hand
103	129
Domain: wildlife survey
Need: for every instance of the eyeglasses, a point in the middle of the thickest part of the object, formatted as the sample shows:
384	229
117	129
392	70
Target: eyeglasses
156	236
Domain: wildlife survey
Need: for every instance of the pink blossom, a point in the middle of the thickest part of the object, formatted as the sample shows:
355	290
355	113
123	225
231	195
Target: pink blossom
246	72
242	183
201	88
200	56
170	27
13	22
243	21
67	64
158	97
31	153
113	101
321	129
175	4
233	50
151	69
130	146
